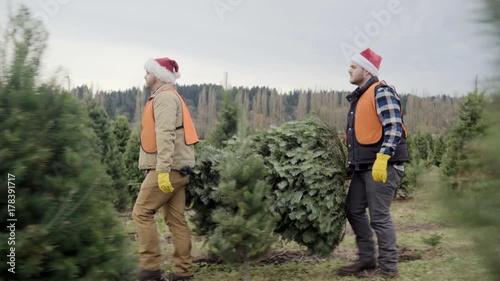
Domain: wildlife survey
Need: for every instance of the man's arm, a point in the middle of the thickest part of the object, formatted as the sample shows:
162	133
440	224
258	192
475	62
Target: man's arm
165	111
389	113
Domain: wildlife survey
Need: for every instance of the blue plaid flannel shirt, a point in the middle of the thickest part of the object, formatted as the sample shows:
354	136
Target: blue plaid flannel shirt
389	112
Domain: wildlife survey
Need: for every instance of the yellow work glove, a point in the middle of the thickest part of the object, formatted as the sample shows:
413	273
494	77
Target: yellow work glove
379	170
164	182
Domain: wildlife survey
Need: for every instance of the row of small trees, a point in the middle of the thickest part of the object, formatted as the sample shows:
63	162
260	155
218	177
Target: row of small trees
446	150
470	171
62	188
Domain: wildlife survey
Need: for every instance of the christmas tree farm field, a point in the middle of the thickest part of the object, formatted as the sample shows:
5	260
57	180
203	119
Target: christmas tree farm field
430	249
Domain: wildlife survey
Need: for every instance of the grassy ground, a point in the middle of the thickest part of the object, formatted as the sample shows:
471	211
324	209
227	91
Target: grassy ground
432	249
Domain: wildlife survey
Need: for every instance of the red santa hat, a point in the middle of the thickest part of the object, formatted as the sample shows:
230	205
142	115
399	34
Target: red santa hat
368	60
164	69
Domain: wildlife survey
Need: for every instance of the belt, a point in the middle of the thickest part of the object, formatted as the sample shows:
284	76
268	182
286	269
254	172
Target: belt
363	167
184	171
360	167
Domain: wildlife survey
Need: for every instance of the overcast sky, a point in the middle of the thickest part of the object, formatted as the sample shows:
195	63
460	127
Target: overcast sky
428	47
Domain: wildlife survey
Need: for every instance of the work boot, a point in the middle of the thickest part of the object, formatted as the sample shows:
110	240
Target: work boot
386	274
150	275
356	267
174	277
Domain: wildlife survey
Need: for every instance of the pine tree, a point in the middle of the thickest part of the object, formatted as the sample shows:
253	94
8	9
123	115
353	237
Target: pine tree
227	122
439	150
430	143
121	130
473	204
209	157
473	200
245	227
110	155
131	158
421	142
413	169
471	124
65	229
306	164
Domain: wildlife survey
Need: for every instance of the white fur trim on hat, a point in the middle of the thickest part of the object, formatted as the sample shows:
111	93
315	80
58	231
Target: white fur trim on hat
364	63
160	72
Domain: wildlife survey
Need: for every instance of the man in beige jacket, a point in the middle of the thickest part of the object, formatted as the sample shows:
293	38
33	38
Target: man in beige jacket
167	156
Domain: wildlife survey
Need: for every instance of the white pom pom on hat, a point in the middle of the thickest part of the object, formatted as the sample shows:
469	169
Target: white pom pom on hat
165	69
368	60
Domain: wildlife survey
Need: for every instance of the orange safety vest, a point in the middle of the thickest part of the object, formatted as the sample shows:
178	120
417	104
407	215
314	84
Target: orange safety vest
366	121
148	131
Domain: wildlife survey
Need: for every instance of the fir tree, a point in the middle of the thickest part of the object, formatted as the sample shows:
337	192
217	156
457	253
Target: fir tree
471	124
121	130
423	142
413	169
209	157
473	204
131	158
110	154
306	170
65	230
430	143
307	164
227	122
245	226
439	150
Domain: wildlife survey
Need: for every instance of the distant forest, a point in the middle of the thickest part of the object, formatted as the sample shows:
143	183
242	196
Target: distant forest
262	107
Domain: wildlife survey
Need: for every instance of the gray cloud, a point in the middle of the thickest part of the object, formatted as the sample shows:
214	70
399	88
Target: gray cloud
428	47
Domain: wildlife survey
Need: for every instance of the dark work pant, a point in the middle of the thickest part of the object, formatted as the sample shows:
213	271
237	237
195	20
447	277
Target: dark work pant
377	197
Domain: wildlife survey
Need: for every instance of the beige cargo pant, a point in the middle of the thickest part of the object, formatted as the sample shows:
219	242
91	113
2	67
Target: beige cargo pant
149	201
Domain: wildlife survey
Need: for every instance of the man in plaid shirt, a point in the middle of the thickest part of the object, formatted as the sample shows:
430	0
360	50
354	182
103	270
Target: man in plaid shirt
376	144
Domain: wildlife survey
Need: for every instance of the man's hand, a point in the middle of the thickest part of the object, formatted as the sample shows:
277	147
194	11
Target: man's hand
379	170
164	182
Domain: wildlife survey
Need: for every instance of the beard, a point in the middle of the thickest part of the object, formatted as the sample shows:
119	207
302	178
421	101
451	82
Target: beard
355	80
149	84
